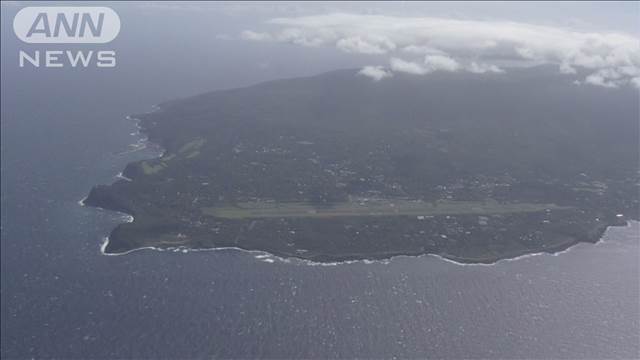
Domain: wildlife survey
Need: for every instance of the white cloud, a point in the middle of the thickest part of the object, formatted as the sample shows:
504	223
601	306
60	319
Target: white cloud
612	78
596	79
409	67
480	68
255	36
377	73
566	68
455	45
441	62
299	37
430	64
356	44
423	50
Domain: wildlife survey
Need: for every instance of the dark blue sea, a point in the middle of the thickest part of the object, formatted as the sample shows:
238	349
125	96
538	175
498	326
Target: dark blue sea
65	130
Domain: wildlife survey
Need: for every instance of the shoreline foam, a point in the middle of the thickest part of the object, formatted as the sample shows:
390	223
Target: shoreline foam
264	256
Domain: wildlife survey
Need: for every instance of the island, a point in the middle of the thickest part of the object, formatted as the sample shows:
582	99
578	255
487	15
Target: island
335	167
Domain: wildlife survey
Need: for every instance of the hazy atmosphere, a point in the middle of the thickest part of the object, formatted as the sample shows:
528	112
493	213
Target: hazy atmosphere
377	179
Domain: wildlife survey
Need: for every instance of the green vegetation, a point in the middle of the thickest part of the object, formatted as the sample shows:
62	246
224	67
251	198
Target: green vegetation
152	169
193	154
372	208
192	145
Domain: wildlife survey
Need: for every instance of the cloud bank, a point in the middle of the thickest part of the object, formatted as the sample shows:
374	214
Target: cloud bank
377	73
421	45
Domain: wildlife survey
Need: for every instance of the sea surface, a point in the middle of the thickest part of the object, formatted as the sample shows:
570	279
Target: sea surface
65	131
62	298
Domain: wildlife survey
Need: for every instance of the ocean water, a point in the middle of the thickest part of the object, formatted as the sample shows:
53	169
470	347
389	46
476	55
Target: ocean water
62	298
65	131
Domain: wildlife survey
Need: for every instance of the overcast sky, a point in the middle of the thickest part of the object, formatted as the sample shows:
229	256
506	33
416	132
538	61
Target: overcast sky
202	46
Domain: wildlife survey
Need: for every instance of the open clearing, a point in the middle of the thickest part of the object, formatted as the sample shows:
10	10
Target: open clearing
266	209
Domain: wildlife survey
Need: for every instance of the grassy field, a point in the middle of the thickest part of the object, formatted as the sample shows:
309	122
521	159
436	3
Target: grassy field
192	146
371	208
187	151
152	169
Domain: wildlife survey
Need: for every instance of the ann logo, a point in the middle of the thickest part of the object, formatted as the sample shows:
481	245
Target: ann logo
76	27
66	25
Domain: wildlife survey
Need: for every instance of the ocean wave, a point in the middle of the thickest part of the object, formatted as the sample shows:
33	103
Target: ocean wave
271	258
122	177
